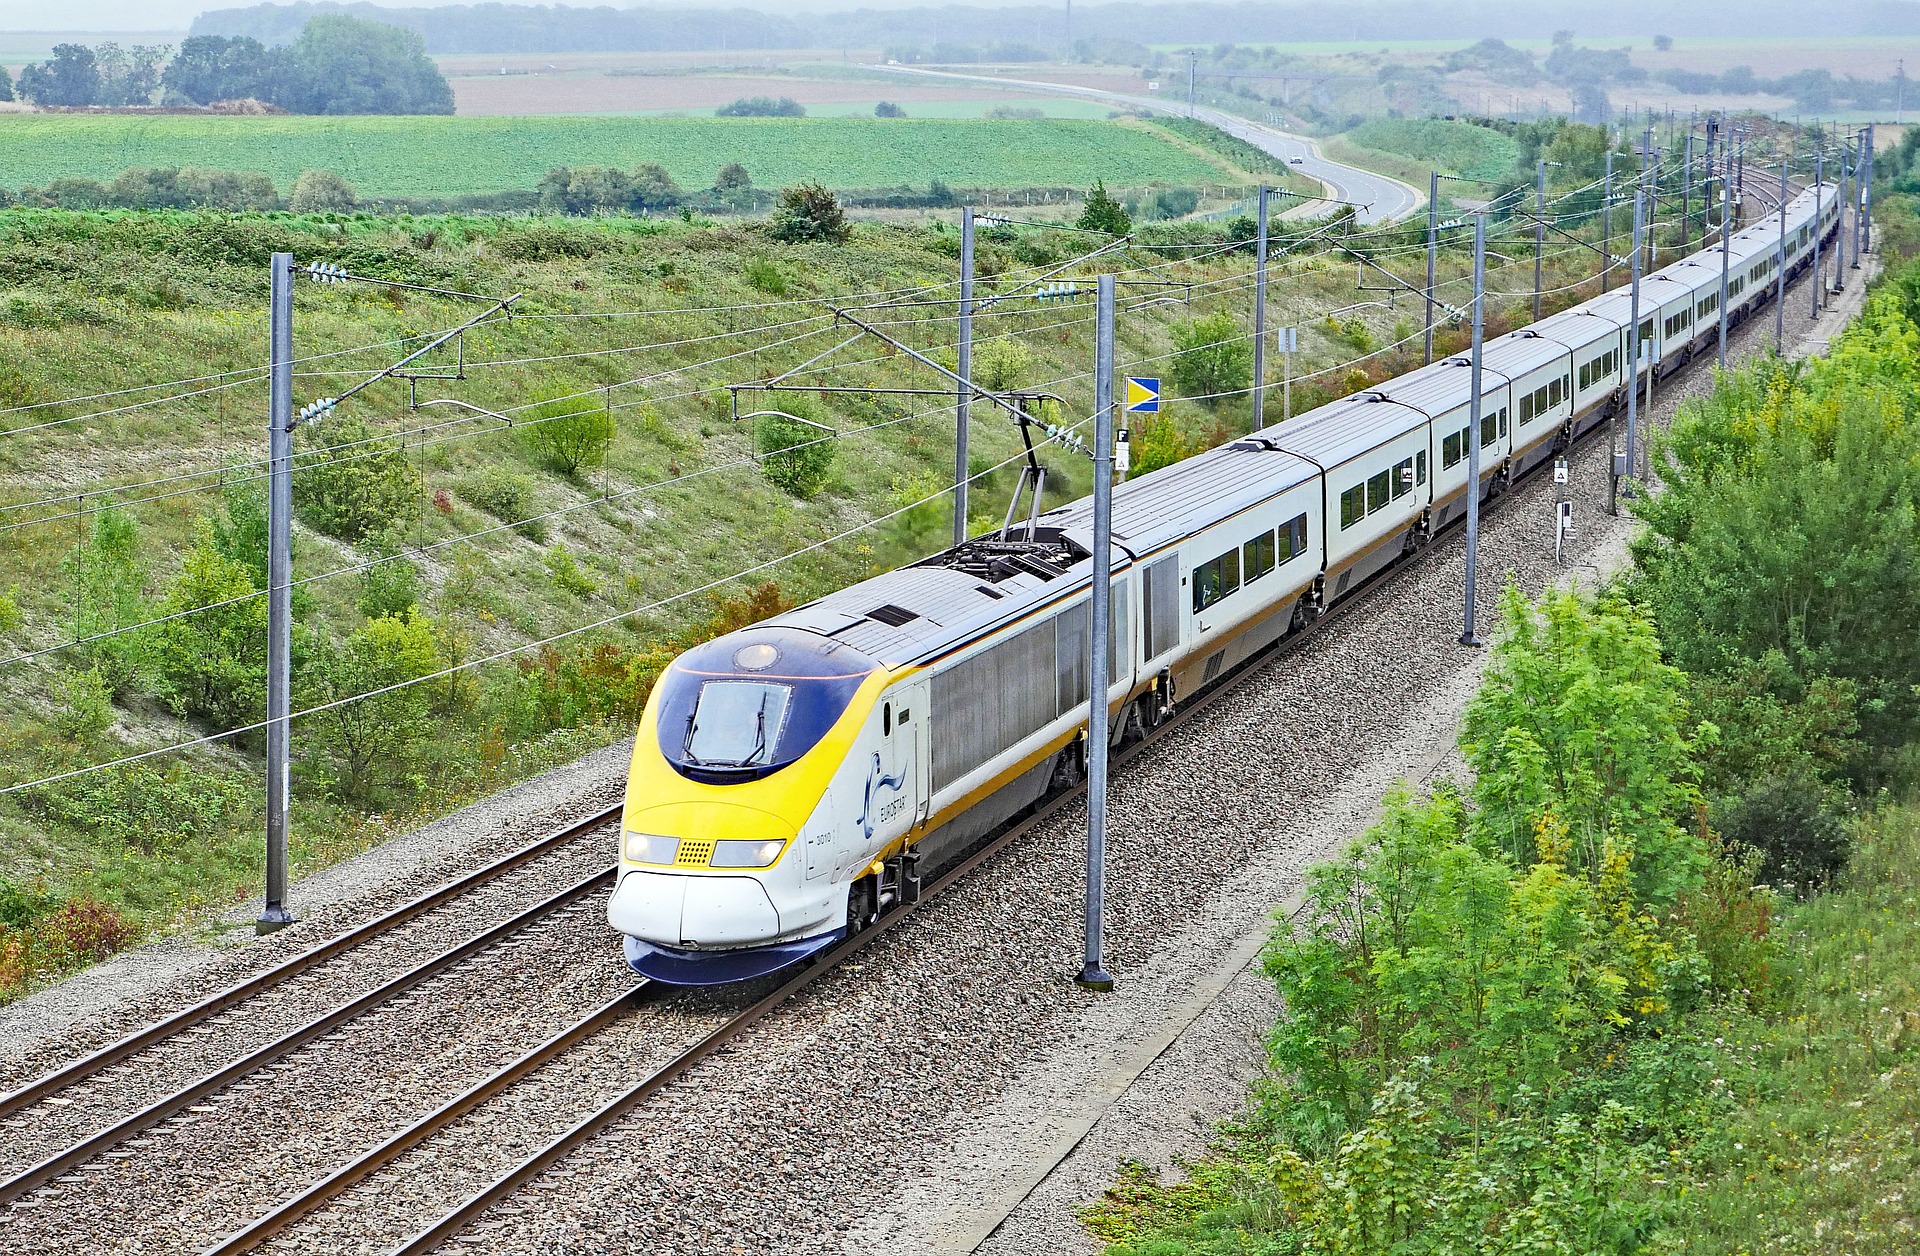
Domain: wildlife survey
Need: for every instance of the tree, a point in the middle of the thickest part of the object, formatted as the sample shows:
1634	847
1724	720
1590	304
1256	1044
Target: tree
654	188
6	84
368	740
212	67
321	192
1215	359
108	581
808	212
733	177
342	65
567	433
797	456
1579	726
350	484
1663	43
887	109
128	76
762	107
71	78
210	664
1103	213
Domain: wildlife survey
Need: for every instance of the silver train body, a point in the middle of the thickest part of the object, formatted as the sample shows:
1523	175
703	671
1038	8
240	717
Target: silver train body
788	778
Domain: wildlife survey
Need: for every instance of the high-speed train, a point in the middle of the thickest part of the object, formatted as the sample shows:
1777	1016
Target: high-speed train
789	778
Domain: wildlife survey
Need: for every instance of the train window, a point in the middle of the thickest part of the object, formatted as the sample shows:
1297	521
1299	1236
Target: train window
1646	332
1353	505
1503	420
1380	490
1403	478
1293	539
886	719
1419	473
1072	657
1566	387
1257	556
1215	579
736	723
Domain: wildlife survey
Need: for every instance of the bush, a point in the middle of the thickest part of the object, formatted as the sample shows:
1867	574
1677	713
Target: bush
211	664
808	212
1215	359
82	703
732	177
567	573
1103	213
762	107
1797	825
146	809
81	931
795	456
392	585
321	192
108	579
766	277
506	495
567	433
1158	442
349	484
887	109
1001	364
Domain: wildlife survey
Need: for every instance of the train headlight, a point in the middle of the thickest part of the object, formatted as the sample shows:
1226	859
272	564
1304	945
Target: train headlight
732	854
648	848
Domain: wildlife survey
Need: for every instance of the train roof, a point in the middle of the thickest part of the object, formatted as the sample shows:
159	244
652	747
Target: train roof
1174	502
1344	429
1433	390
1579	328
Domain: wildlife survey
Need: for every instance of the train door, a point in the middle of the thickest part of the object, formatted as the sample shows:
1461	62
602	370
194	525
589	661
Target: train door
911	707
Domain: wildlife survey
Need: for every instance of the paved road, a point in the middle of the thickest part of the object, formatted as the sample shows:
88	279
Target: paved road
1380	198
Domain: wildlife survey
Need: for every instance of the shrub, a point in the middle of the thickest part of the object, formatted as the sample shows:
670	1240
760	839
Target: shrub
887	109
321	192
808	212
349	484
82	703
10	615
1796	824
108	580
1214	359
82	931
150	810
765	276
391	586
567	573
1103	213
1001	364
795	456
1158	442
506	495
733	177
567	433
211	664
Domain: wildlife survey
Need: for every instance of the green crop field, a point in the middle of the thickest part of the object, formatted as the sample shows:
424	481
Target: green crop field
454	156
1461	148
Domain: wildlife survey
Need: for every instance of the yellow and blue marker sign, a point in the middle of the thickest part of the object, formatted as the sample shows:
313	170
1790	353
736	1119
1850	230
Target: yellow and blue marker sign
1143	395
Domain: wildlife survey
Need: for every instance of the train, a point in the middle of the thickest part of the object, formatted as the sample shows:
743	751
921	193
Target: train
790	780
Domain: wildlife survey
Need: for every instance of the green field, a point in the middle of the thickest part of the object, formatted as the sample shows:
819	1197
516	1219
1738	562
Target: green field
1473	152
454	156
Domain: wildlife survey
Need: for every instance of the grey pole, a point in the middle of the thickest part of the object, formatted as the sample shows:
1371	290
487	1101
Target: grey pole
964	355
1093	975
1686	193
1192	58
279	591
1433	250
1260	317
1633	343
1859	187
1467	635
1780	272
1866	198
1539	232
1819	174
1726	260
1606	223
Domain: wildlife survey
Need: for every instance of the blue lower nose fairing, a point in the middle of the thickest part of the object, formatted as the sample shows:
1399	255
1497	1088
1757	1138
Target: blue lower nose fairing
676	967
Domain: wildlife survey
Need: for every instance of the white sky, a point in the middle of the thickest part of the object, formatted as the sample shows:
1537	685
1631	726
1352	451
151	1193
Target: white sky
176	15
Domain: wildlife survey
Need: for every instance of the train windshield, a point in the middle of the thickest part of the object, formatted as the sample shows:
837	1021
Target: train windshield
736	723
747	704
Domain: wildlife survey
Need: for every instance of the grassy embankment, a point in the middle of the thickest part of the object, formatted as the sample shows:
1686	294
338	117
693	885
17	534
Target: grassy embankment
1650	983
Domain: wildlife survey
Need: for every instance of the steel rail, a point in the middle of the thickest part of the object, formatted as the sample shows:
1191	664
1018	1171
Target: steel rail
141	1039
91	1147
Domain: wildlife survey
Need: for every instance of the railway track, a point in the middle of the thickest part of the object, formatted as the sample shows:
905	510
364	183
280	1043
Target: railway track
61	1086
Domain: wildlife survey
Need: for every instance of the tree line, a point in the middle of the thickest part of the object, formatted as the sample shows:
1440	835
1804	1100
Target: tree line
336	65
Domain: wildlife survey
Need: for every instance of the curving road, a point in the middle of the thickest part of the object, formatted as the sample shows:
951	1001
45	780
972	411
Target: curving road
1379	198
